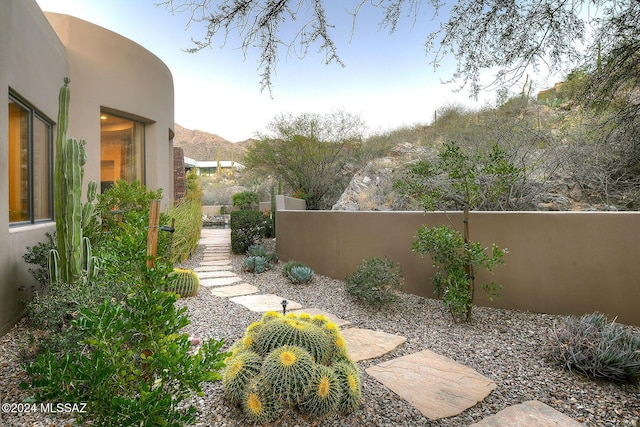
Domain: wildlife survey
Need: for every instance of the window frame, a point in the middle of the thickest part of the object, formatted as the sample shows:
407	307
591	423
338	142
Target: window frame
34	114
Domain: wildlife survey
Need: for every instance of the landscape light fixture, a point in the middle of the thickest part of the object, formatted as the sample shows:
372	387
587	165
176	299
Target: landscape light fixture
284	306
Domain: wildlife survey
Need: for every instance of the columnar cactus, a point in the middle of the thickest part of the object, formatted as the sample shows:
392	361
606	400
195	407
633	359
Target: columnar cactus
69	213
297	361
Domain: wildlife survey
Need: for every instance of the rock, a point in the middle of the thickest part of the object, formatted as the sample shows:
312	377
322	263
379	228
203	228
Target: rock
528	414
437	386
371	189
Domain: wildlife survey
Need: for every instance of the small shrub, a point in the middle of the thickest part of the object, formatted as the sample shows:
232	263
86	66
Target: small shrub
132	366
286	268
256	264
247	228
38	255
257	250
455	262
300	274
375	281
246	200
595	347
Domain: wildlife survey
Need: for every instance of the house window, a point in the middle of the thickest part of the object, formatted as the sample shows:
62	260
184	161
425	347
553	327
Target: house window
121	150
30	164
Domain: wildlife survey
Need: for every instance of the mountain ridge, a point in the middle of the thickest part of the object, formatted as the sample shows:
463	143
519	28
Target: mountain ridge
205	146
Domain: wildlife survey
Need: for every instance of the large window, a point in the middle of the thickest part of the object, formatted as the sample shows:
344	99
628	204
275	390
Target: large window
30	164
121	150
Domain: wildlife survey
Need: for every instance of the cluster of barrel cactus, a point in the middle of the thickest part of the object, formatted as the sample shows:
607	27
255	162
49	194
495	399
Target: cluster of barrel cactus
293	361
184	282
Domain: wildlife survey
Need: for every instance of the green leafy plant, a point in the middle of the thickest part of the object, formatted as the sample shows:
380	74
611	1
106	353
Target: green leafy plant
133	366
247	228
462	181
256	264
246	200
258	250
300	274
375	281
596	347
38	256
451	257
293	361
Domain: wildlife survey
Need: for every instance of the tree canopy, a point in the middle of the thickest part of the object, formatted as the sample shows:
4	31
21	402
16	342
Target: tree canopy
505	37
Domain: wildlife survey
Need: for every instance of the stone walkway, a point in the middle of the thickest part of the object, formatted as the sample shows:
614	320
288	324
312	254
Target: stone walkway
435	385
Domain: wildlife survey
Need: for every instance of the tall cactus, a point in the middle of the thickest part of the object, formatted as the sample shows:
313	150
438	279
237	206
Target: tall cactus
69	213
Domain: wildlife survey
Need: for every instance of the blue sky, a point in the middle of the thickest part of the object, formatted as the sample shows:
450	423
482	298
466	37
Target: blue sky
387	79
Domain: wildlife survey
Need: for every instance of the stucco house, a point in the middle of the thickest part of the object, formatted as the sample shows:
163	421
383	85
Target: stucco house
122	104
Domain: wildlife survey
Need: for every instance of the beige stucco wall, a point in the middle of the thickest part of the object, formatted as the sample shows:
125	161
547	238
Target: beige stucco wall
112	72
106	70
558	262
33	64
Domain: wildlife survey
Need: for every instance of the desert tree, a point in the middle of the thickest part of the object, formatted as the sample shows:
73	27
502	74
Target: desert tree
310	152
505	37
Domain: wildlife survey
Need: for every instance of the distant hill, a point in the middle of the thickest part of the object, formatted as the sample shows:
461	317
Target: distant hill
201	145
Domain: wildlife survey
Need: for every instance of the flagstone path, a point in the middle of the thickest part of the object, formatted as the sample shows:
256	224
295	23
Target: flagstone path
435	385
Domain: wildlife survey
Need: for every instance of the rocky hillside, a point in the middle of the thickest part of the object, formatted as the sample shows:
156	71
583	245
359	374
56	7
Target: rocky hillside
201	145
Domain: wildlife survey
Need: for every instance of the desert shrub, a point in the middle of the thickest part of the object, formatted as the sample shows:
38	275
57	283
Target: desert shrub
247	228
38	256
188	224
286	268
258	250
295	361
375	281
455	262
132	366
596	347
246	200
256	264
300	274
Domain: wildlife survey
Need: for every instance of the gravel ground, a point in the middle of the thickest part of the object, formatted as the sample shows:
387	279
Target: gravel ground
504	345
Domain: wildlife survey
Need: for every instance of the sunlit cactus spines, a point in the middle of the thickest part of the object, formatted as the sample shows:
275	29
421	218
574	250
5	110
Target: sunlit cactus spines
303	365
186	283
238	372
325	392
259	403
288	370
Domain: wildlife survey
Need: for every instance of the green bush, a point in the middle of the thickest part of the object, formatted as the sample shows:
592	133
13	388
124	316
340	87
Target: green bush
258	250
132	366
286	268
247	200
452	258
375	281
247	228
188	225
38	255
595	347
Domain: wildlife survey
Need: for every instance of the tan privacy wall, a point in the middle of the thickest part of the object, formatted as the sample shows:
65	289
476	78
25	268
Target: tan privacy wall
558	262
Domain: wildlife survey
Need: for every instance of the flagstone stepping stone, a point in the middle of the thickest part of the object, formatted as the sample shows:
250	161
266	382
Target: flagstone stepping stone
315	311
434	384
211	258
234	290
205	268
219	281
214	274
217	262
368	344
265	302
528	414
